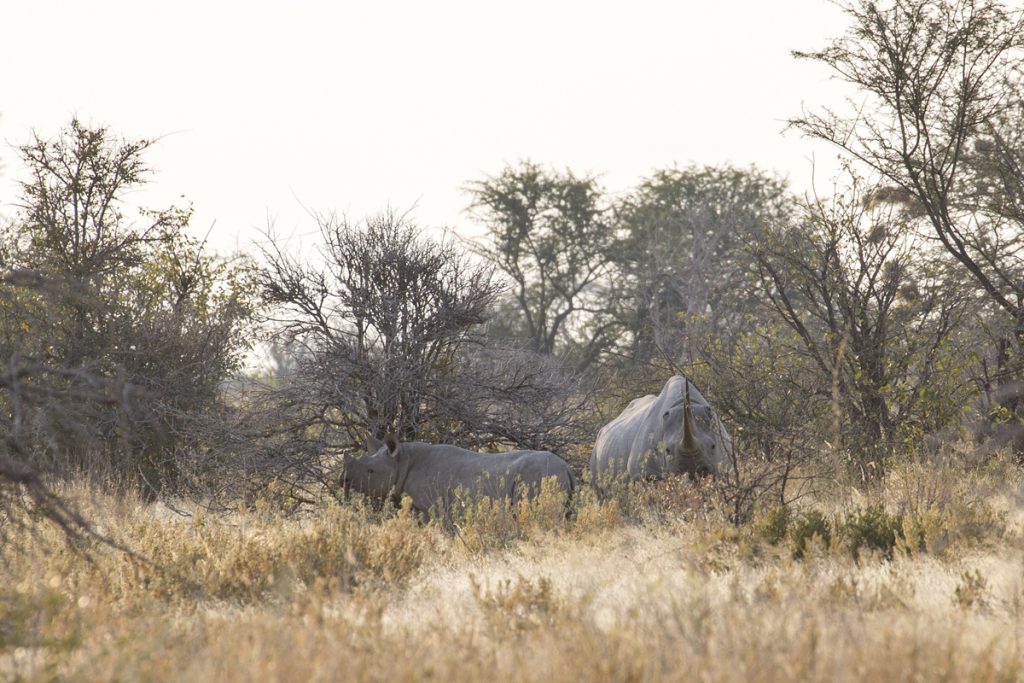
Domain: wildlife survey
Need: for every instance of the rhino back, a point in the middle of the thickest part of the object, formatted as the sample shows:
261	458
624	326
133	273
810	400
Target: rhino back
532	468
435	472
614	441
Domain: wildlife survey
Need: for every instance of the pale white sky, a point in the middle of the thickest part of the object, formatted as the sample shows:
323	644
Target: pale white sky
266	107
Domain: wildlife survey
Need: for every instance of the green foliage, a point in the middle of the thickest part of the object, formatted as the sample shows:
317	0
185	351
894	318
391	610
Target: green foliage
806	526
681	263
876	315
872	528
137	302
769	395
773	524
939	76
937	122
550	234
31	620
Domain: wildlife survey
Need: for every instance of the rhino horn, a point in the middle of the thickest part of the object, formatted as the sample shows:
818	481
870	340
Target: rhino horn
689	428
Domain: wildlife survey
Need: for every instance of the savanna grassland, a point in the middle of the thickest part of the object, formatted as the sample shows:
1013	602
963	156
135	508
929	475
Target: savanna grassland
168	508
918	577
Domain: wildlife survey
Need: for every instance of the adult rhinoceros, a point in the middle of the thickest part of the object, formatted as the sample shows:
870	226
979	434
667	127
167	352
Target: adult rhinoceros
434	474
674	432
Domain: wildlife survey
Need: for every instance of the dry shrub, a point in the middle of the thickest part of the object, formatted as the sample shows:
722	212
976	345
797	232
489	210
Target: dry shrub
972	591
483	525
942	509
673	498
596	516
513	607
352	594
356	594
548	511
267	557
486	524
338	542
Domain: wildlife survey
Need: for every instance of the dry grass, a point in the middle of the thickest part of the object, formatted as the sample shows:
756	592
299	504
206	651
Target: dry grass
626	591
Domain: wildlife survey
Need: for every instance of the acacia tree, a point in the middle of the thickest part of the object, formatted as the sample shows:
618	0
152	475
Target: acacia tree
873	309
549	233
941	80
681	251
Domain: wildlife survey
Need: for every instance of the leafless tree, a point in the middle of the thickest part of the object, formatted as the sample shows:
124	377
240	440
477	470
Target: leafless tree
390	337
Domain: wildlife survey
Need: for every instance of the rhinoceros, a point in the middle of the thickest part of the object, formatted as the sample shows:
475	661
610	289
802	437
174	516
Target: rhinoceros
675	432
432	474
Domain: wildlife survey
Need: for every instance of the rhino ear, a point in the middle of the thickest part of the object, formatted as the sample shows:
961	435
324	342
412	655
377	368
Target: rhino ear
392	443
373	444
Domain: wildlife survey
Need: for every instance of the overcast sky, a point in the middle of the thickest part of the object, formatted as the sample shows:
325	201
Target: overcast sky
263	108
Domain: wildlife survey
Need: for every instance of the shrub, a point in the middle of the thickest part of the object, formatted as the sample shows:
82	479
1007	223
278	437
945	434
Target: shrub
942	507
874	529
516	606
119	333
213	560
482	525
806	526
773	524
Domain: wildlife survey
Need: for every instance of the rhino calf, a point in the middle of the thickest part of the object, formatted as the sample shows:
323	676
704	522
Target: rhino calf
675	432
433	475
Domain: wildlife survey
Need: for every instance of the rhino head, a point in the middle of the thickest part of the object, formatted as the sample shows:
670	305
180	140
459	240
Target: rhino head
691	439
374	474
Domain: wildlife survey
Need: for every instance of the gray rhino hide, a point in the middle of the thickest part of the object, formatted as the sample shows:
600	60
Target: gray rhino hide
435	474
646	440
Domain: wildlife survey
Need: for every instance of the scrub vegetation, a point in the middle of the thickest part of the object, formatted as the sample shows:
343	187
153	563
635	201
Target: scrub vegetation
171	509
917	577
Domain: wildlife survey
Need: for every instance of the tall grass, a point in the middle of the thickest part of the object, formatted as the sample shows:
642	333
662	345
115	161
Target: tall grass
631	588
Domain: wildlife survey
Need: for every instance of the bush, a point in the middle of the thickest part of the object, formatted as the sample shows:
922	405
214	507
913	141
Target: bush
943	506
512	608
392	335
486	524
806	526
873	529
342	545
130	327
773	525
